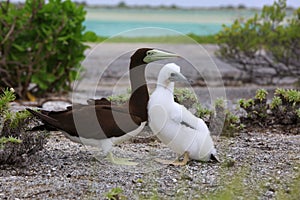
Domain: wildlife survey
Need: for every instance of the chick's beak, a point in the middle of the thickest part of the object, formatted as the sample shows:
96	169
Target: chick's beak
178	77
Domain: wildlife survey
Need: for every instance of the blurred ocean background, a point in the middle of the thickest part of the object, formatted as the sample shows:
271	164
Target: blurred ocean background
112	21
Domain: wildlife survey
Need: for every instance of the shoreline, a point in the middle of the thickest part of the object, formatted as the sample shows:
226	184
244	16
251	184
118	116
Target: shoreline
167	39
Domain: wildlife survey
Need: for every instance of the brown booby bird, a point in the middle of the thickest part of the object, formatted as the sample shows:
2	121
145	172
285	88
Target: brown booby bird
102	124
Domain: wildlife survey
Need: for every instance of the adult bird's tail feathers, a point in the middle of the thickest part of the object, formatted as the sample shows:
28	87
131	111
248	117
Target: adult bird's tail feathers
49	116
102	101
43	115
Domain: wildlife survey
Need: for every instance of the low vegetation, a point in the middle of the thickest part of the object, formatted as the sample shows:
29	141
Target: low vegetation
17	145
176	39
224	122
233	185
266	46
121	98
41	46
115	194
283	109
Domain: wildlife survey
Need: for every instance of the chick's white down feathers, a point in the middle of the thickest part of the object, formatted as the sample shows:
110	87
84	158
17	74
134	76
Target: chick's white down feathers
173	124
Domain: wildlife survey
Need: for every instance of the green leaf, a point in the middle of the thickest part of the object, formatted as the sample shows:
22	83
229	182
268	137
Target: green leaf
90	36
48	37
18	47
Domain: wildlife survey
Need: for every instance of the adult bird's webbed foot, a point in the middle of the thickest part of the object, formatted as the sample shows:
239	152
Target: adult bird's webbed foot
176	162
120	161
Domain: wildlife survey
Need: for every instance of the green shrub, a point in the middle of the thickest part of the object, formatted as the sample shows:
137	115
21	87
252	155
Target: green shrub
6	97
4	140
276	102
261	95
120	98
224	122
202	112
283	109
17	144
185	97
266	46
41	45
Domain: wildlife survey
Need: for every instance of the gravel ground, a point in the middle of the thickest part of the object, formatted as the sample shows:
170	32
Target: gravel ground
266	161
66	170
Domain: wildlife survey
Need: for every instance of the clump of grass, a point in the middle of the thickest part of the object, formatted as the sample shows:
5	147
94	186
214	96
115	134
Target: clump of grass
120	98
292	96
6	97
4	140
115	194
220	120
289	95
293	191
275	103
202	112
246	103
185	97
15	141
298	113
231	190
15	119
282	110
224	122
261	94
232	125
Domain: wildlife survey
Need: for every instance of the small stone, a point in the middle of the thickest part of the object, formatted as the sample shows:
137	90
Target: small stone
278	172
269	193
186	177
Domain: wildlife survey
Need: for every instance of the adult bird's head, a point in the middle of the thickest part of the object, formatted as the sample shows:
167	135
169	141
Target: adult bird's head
148	55
139	97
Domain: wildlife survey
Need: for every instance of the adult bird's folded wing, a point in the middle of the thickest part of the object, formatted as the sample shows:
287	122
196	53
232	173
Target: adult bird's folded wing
96	121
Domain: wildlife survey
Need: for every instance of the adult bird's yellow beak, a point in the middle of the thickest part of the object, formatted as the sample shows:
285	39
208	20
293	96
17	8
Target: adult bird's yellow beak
154	55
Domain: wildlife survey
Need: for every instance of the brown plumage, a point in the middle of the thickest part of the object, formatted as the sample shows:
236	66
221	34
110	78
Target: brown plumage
100	119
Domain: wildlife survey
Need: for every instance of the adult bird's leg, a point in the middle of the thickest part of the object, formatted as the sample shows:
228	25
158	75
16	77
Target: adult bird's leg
116	140
176	162
119	161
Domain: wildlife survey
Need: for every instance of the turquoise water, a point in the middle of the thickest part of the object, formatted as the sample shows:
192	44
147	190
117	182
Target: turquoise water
110	28
113	21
